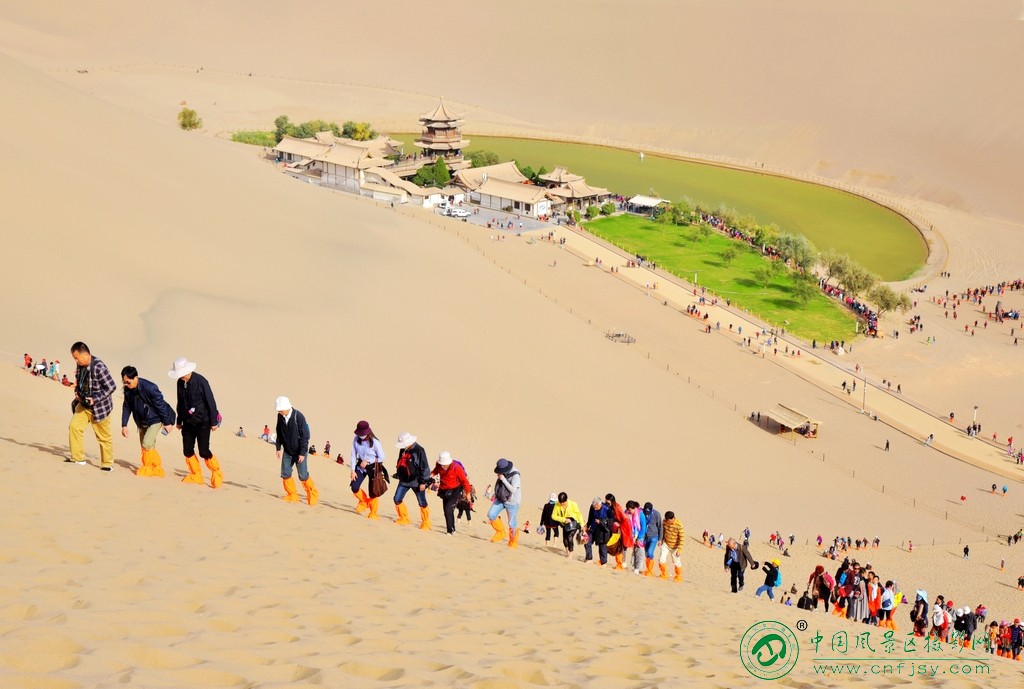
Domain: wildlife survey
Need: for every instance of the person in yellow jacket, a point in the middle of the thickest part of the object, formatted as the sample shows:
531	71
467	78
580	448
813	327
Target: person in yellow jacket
672	544
567	513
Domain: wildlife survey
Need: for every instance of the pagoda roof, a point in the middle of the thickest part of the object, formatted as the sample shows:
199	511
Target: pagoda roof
578	189
441	114
474	177
561	175
457	145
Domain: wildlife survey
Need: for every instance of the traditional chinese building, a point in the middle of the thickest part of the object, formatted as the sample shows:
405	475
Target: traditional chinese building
442	133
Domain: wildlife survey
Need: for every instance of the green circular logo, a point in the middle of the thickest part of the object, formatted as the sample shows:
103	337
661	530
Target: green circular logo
769	650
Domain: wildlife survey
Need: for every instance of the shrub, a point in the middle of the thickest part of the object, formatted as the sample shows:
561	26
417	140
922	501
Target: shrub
607	208
483	158
255	138
189	119
593	212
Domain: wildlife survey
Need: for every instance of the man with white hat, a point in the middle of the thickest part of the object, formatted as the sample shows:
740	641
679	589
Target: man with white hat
197	418
413	473
453	485
292	441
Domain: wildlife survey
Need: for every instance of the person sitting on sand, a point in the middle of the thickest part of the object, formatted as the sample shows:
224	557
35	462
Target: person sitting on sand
66	382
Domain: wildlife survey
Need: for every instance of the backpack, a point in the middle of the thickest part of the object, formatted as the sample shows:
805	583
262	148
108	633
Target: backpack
778	577
406	467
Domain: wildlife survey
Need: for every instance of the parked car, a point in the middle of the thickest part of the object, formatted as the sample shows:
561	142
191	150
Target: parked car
457	213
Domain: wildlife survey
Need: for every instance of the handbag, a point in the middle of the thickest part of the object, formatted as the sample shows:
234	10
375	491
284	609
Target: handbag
378	481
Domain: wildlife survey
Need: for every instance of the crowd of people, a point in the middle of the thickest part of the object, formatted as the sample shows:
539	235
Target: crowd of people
637	537
44	369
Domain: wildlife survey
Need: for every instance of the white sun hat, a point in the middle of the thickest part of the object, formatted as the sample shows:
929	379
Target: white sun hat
405	440
282	403
181	367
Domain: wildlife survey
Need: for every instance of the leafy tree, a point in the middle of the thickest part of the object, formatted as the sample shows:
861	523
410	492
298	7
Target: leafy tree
730	254
424	177
527	172
766	235
483	158
593	212
441	174
888	299
704	230
798	249
675	214
778	267
803	289
358	131
189	119
283	127
836	264
858	280
763	275
607	208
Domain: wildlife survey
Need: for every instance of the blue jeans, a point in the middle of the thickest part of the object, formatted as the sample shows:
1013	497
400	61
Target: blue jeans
497	507
766	589
286	467
421	496
360	476
651	547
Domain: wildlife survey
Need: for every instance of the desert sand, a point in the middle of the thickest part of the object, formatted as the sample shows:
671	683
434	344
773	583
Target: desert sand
150	243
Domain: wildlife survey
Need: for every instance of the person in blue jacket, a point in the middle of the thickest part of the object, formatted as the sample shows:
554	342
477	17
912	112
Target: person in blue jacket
144	401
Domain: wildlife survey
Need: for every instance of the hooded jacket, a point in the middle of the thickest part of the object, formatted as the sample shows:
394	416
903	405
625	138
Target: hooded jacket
146	403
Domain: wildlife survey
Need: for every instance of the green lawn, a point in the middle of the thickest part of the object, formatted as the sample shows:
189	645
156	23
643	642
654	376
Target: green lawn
877	238
255	138
683	251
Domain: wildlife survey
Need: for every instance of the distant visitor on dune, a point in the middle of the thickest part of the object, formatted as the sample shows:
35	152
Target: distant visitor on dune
197	418
144	401
94	389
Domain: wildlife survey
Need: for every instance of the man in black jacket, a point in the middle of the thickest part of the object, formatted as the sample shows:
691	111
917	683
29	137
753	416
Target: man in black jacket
144	401
197	418
413	473
292	441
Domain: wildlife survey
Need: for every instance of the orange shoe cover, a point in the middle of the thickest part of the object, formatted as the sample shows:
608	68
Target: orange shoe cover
499	530
144	468
374	503
618	561
216	478
424	519
312	494
290	494
663	568
403	514
679	574
649	568
363	501
513	538
195	473
156	464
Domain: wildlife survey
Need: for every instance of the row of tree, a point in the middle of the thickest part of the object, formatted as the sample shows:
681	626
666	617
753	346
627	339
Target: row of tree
358	131
846	273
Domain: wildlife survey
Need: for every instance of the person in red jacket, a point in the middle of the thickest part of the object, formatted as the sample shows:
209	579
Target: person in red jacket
453	485
625	526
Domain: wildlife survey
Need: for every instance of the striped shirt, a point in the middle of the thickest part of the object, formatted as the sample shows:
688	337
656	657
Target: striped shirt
673	533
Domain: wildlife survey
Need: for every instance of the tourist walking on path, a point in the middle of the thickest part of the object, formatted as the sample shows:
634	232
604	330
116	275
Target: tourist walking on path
671	544
508	492
94	389
652	536
453	485
566	514
638	521
197	418
367	461
291	444
144	401
413	473
625	528
549	524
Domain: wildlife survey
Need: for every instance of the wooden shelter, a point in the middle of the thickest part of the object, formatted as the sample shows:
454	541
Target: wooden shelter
793	421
